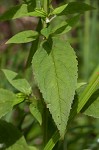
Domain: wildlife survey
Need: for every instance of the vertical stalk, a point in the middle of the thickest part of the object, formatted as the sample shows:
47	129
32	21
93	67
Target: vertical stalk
46	8
46	5
45	126
86	43
45	111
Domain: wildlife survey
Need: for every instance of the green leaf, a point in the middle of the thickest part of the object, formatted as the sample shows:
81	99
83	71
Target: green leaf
7	100
46	32
84	95
19	11
20	84
38	13
72	7
72	21
89	90
55	70
80	84
23	37
61	28
15	12
91	108
36	110
23	10
11	138
59	9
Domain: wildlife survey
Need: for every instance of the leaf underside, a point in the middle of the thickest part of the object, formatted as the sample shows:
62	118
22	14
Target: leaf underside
55	70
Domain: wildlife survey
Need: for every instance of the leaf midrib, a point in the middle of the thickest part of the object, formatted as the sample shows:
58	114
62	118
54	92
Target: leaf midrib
56	77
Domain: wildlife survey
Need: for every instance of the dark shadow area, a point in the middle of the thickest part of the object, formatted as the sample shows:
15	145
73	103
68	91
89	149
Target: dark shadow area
8	134
48	44
31	5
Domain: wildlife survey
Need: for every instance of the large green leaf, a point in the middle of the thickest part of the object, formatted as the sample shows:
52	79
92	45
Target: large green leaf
11	138
23	37
7	100
90	106
71	8
20	84
55	70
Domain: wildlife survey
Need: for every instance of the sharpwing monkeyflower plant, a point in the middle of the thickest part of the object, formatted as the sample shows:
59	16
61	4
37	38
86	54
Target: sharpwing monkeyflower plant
55	70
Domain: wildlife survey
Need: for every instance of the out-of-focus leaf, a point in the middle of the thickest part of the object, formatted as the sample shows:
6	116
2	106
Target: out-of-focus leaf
15	12
59	9
20	84
89	90
91	108
38	13
72	21
11	138
80	84
23	10
7	100
85	100
71	8
23	37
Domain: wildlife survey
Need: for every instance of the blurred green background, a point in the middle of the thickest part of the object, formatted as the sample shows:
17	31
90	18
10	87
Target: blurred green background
83	133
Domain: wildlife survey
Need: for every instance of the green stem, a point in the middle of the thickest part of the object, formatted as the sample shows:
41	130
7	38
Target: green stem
45	111
46	5
45	126
46	9
86	43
